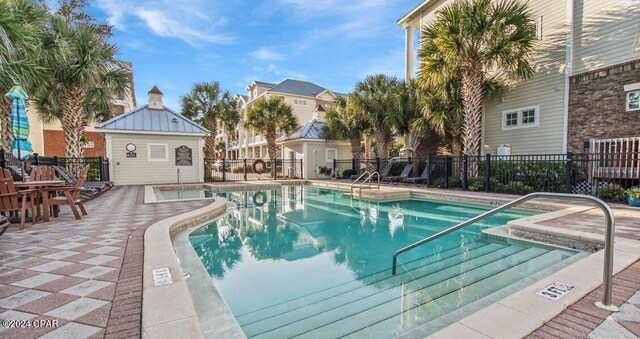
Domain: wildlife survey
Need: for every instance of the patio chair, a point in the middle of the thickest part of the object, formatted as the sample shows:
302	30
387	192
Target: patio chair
13	201
4	224
90	190
42	173
418	181
384	171
397	178
68	195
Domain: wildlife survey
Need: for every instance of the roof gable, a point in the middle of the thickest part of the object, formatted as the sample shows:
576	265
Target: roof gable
312	129
144	119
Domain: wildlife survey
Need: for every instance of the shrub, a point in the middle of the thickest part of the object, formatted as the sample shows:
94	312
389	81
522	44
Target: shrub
475	184
397	168
611	192
240	169
634	192
516	187
453	182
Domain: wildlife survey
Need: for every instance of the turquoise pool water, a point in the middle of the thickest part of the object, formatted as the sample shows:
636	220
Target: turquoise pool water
308	262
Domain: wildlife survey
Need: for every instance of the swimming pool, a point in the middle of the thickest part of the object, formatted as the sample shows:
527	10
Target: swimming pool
308	262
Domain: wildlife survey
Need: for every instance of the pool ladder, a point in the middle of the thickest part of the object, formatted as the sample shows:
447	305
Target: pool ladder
608	242
369	178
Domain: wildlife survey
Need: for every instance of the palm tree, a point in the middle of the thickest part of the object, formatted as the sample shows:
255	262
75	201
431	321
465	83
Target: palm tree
478	40
21	26
375	97
208	105
407	120
344	120
84	77
270	117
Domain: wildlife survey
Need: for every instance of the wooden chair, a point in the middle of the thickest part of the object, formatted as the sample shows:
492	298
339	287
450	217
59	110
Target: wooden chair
13	201
42	173
68	195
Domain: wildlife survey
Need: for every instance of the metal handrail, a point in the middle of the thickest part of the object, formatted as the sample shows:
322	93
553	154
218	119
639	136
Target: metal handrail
368	179
608	243
357	179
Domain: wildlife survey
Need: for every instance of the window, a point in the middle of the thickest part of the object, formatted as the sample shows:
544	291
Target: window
633	100
332	154
299	102
158	152
521	118
88	144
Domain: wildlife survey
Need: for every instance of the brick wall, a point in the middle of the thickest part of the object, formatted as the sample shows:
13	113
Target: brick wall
54	144
597	105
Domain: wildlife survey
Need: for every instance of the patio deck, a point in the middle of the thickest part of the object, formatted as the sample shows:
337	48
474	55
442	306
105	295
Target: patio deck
87	274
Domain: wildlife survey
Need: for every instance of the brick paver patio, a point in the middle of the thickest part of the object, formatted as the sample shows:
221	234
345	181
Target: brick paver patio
83	275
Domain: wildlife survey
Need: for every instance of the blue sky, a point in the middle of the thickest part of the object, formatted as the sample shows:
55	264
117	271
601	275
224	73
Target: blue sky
333	43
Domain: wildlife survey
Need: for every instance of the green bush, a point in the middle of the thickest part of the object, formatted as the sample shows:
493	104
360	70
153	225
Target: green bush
397	168
634	192
453	182
611	192
475	184
516	187
240	169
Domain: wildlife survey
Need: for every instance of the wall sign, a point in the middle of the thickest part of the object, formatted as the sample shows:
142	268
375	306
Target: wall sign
184	156
131	154
556	291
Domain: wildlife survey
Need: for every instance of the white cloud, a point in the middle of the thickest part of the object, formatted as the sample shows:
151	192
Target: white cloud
266	54
187	20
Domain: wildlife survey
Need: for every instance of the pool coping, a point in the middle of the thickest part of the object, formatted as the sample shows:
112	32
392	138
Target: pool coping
169	310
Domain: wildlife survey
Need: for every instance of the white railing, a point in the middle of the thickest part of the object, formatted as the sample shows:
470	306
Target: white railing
615	158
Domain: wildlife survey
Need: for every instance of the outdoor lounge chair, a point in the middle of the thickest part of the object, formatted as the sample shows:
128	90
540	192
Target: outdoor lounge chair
396	178
14	201
384	171
4	224
418	181
68	195
90	190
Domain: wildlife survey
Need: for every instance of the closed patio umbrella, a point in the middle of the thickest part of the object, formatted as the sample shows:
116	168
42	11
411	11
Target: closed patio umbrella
21	147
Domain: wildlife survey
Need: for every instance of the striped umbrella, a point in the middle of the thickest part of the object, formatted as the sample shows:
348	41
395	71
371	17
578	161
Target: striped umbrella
21	147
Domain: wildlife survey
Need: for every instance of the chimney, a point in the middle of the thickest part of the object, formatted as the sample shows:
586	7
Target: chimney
155	98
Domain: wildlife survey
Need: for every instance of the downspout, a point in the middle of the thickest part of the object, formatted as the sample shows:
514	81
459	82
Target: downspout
567	75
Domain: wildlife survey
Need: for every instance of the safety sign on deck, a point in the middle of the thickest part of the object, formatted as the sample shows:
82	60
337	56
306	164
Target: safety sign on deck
556	291
162	276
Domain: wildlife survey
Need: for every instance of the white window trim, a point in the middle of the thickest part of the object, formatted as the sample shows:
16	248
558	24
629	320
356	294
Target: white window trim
519	111
326	153
166	152
627	101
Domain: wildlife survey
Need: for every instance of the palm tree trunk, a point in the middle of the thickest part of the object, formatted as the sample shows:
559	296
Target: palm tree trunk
356	149
210	140
382	142
5	124
71	104
272	149
472	97
456	147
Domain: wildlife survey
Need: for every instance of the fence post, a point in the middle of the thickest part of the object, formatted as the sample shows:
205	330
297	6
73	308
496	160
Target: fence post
353	166
301	167
35	159
487	172
3	163
107	176
447	171
569	172
465	171
428	171
101	160
334	167
378	164
55	160
245	169
224	170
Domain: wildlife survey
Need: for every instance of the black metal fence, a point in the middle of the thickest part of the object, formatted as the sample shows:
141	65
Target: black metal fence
252	169
98	166
603	175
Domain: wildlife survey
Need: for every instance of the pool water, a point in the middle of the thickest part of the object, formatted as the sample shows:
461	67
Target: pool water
308	262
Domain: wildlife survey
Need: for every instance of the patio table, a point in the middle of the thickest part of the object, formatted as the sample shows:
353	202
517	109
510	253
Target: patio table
40	185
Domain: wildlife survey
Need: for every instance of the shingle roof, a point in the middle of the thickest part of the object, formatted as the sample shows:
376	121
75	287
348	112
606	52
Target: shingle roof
297	87
156	90
152	120
312	129
262	83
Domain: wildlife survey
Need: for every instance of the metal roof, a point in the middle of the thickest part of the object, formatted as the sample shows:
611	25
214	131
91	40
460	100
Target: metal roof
262	83
312	129
297	87
152	120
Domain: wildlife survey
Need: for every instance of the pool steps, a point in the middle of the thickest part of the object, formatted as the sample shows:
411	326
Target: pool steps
358	307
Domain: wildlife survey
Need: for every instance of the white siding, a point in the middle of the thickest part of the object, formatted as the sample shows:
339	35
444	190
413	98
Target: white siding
606	33
139	171
545	89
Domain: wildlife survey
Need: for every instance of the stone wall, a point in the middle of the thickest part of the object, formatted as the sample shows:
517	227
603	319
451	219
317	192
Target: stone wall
597	105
